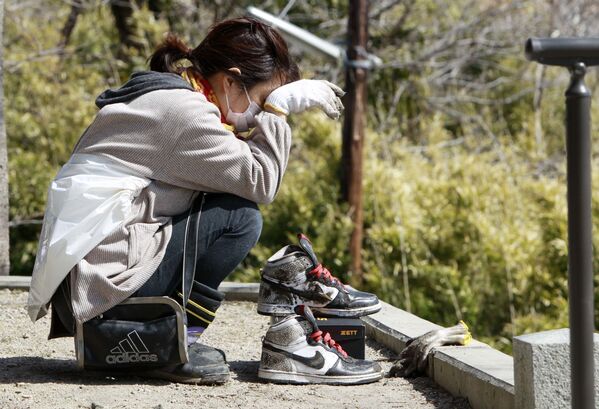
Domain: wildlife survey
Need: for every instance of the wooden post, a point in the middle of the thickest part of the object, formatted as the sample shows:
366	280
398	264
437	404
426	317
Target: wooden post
353	128
4	260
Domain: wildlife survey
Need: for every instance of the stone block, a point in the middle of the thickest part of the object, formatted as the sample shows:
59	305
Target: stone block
542	369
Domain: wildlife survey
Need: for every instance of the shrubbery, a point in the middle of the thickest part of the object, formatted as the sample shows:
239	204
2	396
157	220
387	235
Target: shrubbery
462	227
448	234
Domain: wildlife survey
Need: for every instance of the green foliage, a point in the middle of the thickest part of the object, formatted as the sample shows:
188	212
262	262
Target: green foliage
465	212
50	102
448	235
308	200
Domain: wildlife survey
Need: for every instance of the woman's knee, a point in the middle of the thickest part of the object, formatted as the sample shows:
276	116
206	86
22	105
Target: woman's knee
245	216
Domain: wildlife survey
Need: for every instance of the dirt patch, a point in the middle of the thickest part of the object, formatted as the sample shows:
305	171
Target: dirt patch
37	373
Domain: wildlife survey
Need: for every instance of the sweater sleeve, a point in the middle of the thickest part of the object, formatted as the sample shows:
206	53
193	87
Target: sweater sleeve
208	157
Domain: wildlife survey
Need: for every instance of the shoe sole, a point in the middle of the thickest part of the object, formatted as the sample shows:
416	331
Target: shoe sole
211	379
275	376
287	309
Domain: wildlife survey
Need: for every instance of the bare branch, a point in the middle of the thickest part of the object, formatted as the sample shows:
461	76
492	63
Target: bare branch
69	26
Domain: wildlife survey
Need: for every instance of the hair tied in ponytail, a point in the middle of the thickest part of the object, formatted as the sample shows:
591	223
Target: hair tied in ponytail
167	55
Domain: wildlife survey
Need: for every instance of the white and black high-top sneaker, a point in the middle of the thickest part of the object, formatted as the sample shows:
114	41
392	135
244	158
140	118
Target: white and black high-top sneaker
294	350
293	276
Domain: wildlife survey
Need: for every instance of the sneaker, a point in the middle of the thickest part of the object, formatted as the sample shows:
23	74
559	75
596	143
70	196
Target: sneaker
295	351
206	366
293	276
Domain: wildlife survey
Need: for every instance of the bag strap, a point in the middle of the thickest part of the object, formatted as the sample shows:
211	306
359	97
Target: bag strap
190	247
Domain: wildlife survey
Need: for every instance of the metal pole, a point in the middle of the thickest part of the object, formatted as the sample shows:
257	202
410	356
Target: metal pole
580	258
577	54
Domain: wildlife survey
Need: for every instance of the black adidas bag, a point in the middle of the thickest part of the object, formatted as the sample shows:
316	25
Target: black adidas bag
142	331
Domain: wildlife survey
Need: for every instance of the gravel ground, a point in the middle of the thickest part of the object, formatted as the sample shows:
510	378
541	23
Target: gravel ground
37	373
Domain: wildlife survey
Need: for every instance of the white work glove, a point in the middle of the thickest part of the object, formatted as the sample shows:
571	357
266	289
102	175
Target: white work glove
301	95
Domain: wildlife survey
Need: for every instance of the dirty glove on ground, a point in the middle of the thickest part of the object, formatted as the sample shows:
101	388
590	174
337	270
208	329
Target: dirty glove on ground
299	96
414	356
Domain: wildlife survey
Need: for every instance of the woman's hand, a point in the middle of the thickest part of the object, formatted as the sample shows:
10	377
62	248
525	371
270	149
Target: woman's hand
301	95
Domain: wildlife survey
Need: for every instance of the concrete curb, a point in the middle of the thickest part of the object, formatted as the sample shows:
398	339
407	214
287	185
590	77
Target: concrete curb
240	291
476	372
15	282
233	291
479	373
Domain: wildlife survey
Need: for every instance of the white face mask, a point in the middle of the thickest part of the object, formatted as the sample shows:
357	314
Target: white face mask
243	121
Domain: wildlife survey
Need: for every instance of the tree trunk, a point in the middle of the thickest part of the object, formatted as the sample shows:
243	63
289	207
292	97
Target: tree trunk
4	260
353	129
538	97
122	10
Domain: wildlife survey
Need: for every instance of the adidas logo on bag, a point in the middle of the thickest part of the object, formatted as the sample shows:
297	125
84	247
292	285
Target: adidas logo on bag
131	349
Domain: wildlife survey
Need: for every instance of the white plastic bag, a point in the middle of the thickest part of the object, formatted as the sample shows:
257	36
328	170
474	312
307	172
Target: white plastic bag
90	197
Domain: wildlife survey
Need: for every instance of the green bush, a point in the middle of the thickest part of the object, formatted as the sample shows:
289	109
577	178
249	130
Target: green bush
448	234
471	225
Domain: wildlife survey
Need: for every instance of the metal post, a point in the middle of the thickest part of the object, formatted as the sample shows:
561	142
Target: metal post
577	54
580	251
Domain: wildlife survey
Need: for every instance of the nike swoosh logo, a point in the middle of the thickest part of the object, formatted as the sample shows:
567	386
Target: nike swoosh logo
310	295
316	361
329	293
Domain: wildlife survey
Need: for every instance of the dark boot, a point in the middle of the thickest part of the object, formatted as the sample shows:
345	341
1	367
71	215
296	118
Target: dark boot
206	366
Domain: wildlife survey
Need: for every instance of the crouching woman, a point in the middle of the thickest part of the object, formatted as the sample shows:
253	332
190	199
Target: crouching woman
204	130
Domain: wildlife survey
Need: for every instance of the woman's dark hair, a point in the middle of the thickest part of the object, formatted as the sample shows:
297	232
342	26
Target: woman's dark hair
256	48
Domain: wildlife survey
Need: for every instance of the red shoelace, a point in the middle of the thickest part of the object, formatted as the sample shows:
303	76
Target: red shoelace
327	340
322	272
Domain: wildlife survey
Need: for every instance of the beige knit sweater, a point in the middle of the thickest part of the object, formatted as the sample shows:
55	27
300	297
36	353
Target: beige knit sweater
175	138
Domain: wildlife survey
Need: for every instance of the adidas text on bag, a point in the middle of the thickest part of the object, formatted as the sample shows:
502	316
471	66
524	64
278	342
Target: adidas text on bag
131	349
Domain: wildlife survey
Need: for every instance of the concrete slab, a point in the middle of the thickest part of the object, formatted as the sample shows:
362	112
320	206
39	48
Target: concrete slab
542	369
